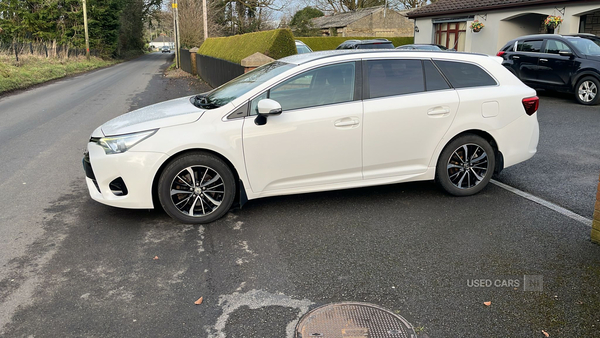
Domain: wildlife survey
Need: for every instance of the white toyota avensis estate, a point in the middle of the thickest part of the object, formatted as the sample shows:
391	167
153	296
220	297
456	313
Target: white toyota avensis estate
315	122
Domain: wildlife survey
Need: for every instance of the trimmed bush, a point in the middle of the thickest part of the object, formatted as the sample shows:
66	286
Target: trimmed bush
277	43
331	42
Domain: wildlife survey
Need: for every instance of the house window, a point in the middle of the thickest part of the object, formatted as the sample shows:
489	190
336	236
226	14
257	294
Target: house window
451	35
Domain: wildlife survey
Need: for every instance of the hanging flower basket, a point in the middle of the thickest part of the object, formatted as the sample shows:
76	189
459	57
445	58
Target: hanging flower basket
476	26
553	21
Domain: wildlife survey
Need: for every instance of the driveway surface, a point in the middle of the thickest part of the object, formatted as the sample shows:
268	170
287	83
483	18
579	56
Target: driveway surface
71	267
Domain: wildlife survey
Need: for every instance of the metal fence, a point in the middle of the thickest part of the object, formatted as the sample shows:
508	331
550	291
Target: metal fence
186	60
216	71
43	49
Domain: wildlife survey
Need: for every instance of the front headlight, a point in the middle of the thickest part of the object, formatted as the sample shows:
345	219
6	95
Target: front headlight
121	143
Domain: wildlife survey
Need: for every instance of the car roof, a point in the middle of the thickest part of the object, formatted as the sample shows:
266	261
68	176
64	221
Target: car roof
548	36
299	59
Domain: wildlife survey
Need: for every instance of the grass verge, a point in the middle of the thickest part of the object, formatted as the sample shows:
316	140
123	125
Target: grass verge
31	70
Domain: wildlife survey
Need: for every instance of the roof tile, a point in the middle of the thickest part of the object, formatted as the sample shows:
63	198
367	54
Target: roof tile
462	6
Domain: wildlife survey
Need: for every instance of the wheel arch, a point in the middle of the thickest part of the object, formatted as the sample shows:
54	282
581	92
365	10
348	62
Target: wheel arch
240	195
583	74
486	136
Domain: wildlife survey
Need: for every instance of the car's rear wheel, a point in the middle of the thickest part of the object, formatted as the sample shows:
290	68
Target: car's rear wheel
196	188
466	165
586	91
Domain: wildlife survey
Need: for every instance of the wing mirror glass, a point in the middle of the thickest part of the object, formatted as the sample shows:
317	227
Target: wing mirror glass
267	107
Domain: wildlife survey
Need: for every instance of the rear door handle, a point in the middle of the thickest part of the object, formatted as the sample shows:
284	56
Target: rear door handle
516	57
544	60
438	111
346	122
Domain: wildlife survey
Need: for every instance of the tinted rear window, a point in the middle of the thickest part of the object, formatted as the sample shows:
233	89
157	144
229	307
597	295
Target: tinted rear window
529	46
433	79
395	77
463	75
376	46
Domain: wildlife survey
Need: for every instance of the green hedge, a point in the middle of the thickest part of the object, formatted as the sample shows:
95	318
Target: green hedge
331	42
276	44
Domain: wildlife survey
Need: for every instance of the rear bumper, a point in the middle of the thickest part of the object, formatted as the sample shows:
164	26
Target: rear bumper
518	141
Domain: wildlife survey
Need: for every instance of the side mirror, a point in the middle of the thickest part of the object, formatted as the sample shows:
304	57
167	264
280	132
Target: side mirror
565	53
266	107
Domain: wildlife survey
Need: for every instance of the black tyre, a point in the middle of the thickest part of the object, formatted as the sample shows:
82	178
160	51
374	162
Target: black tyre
466	165
586	91
196	188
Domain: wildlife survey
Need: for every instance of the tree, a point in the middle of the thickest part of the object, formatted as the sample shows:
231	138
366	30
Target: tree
341	6
115	26
301	22
410	4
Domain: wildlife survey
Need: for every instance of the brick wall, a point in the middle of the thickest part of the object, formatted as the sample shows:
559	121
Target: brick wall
592	23
596	224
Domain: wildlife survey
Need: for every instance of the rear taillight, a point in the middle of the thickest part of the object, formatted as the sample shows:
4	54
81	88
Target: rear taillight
531	105
500	53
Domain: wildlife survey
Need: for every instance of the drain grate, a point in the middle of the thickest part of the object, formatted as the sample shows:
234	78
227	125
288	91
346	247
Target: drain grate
353	320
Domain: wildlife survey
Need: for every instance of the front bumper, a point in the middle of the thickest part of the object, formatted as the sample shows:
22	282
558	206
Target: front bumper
121	180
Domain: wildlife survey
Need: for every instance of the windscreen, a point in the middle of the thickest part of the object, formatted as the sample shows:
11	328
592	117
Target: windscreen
586	45
243	84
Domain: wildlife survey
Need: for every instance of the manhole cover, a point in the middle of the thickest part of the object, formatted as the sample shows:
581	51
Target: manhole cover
353	320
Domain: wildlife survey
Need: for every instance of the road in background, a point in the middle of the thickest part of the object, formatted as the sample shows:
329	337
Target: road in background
43	134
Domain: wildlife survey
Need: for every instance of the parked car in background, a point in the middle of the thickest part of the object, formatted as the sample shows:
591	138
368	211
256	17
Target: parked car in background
430	47
302	48
366	44
165	49
566	63
315	122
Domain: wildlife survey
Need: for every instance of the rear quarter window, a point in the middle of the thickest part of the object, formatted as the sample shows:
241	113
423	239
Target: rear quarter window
465	75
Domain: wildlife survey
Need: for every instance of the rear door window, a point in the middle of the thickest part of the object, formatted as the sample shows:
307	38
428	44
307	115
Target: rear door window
433	79
534	46
395	77
464	75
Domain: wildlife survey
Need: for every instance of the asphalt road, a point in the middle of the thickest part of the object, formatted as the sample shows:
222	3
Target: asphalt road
565	169
71	267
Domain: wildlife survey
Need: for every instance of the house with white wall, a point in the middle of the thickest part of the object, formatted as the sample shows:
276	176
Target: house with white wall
162	40
447	22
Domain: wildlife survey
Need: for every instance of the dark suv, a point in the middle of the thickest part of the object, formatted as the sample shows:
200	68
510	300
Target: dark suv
568	63
366	44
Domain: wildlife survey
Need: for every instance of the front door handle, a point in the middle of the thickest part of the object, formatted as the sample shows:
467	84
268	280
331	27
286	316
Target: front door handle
544	60
346	122
438	111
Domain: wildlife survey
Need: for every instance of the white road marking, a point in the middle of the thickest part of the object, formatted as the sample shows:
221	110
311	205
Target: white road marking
543	202
256	299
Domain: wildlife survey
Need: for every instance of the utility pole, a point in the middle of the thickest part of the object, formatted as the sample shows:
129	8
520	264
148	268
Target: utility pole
177	41
205	19
87	39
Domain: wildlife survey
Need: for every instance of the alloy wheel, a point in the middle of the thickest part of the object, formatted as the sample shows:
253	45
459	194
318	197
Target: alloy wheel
587	91
467	166
197	191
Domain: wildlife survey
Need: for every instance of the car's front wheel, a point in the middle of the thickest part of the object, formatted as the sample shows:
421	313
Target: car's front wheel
466	165
196	188
586	91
